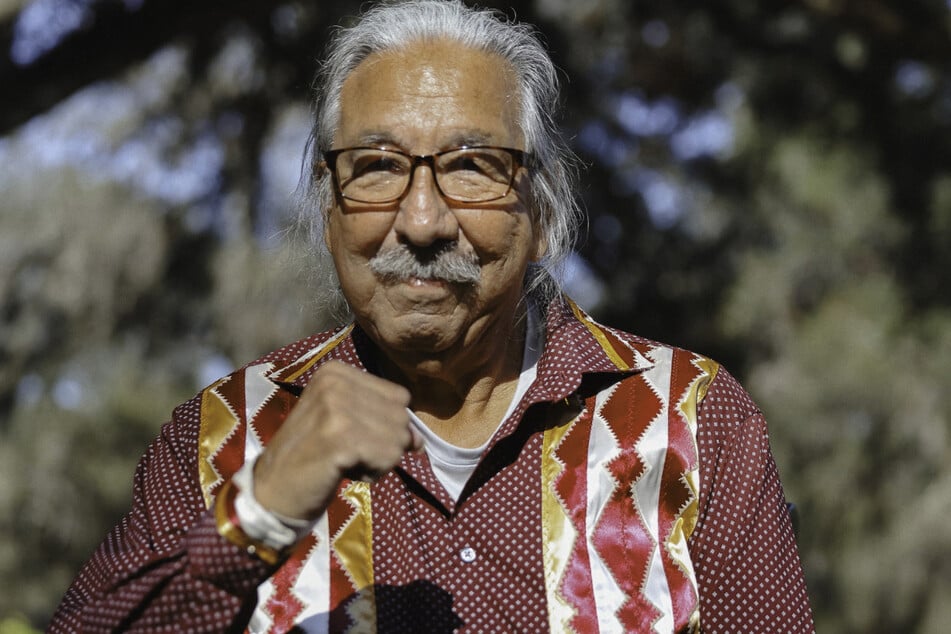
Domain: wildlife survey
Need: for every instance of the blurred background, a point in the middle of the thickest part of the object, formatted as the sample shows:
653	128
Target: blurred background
768	183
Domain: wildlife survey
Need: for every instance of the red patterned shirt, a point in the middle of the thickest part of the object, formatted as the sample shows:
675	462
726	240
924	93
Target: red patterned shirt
632	489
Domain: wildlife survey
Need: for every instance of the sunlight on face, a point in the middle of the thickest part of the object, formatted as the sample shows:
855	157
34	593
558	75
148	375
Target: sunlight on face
424	99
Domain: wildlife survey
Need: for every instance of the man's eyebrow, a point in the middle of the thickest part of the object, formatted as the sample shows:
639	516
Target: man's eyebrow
475	137
386	138
373	137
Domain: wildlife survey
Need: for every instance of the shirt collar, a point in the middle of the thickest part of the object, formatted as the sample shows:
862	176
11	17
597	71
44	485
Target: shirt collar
575	346
342	345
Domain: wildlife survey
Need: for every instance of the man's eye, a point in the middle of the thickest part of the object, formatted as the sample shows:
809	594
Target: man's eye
471	164
377	165
476	165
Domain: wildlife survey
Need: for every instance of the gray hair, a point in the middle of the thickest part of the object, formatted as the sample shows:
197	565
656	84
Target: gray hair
393	25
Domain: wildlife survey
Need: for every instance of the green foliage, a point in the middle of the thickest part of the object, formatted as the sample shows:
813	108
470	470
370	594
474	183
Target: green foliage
16	625
96	357
70	479
810	252
853	383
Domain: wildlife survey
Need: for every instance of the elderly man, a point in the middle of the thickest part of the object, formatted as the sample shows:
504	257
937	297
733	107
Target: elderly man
473	452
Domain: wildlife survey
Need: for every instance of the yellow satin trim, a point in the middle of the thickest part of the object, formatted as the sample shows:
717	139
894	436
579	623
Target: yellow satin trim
688	407
698	390
353	546
684	526
600	336
218	421
558	534
677	542
329	345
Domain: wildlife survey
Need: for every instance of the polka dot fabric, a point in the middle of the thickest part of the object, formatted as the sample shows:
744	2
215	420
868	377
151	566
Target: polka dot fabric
476	563
438	566
743	548
163	568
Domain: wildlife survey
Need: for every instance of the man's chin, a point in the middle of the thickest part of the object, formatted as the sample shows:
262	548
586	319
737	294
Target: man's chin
418	340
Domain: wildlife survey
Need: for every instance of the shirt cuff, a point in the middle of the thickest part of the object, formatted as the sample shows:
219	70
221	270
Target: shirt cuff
260	524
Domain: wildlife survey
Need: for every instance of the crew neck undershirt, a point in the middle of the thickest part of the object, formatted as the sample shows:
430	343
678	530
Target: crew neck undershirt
453	465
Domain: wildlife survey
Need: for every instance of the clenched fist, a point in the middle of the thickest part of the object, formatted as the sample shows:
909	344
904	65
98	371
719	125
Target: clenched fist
347	424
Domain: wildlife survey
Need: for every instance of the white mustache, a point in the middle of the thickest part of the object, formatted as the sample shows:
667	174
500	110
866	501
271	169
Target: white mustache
448	264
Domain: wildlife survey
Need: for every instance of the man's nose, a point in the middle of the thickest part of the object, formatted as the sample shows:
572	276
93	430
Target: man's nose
424	217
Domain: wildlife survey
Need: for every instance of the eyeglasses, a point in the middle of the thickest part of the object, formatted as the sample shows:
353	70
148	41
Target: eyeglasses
476	174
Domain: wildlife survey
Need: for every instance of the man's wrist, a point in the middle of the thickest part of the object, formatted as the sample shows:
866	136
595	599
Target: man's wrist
230	527
247	524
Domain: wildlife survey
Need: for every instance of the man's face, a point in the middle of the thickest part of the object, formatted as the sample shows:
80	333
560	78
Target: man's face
429	98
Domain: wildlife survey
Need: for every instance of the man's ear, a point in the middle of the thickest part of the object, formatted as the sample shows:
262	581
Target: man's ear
540	246
325	233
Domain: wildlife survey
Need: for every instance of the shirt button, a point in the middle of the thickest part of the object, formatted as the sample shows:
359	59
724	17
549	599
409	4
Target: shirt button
467	554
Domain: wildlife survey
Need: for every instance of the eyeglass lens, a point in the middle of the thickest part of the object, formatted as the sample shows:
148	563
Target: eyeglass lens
466	175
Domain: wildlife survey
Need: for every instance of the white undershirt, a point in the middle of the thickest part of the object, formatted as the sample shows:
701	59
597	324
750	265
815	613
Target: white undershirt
453	465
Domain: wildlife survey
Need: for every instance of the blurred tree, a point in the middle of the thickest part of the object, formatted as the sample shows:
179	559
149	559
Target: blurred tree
767	182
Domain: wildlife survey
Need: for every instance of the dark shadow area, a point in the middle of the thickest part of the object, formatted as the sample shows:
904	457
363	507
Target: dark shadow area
420	606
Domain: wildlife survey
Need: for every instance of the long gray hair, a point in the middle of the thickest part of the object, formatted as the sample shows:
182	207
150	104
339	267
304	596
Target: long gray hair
397	24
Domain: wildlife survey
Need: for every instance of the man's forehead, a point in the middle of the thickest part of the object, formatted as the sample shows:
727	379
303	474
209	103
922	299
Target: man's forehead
434	69
466	95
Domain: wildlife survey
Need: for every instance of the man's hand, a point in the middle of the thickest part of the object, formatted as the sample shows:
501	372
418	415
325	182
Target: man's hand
347	424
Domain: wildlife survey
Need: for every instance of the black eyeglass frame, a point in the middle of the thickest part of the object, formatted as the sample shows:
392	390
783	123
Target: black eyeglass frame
520	159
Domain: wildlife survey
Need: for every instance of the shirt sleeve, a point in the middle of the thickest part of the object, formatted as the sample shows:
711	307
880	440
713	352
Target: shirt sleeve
165	567
743	547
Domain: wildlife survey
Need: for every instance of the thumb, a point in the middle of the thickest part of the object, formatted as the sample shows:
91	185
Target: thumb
417	442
